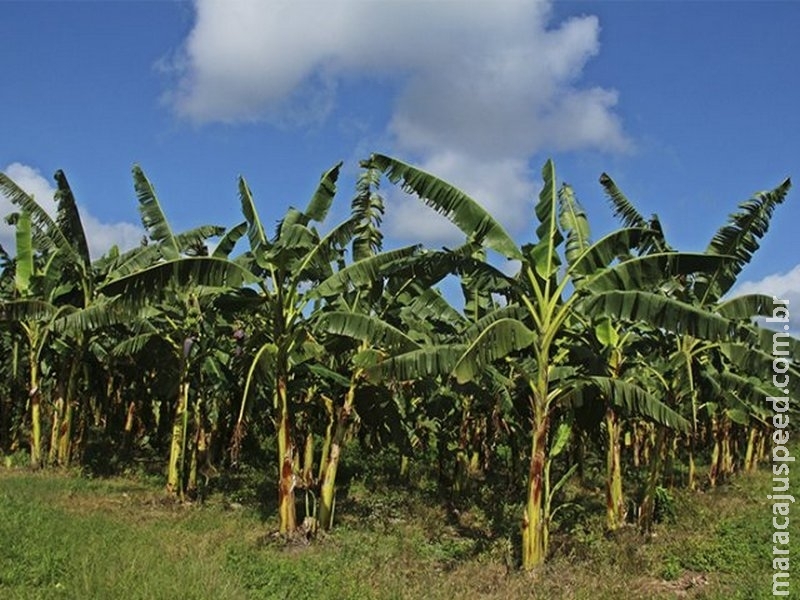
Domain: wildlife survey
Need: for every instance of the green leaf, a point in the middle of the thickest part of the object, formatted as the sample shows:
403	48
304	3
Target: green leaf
560	483
69	220
361	273
103	312
366	358
606	250
322	199
229	240
512	311
264	363
574	223
738	415
747	394
636	401
329	375
758	363
367	208
147	285
606	333
560	439
548	235
429	361
45	232
658	311
294	240
133	261
623	209
430	305
746	307
497	340
134	344
466	214
366	328
737	241
193	240
28	309
647	272
24	269
255	230
316	263
153	218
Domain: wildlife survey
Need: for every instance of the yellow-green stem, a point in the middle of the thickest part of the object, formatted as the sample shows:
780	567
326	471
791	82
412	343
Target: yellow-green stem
175	473
647	510
328	487
534	548
615	503
286	485
36	414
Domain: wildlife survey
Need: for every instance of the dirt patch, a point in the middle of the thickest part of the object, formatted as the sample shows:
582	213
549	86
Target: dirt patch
689	584
143	504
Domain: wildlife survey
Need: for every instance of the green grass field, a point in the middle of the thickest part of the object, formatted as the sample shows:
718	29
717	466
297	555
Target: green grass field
65	536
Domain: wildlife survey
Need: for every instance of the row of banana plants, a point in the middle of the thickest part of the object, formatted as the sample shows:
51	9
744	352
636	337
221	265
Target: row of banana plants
323	339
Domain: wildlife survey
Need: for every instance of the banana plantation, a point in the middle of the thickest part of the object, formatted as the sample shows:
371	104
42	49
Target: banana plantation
200	348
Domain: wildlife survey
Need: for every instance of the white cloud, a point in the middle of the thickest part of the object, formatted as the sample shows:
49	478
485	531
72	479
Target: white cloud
483	86
100	236
785	286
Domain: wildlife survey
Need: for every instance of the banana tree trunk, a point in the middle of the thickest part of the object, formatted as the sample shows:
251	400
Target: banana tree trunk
5	423
669	462
36	413
615	502
177	450
58	409
647	510
130	419
750	463
404	472
716	454
761	452
461	475
199	449
579	456
308	461
64	455
534	546
286	504
328	440
727	450
328	488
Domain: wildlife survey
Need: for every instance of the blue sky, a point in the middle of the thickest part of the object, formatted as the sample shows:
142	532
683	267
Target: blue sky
690	106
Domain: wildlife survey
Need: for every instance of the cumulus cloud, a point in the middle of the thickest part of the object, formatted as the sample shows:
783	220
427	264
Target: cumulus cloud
481	87
785	286
100	236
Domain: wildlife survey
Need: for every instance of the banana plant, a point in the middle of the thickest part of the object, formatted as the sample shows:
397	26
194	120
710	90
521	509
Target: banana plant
290	266
33	311
542	309
67	282
745	355
388	310
168	287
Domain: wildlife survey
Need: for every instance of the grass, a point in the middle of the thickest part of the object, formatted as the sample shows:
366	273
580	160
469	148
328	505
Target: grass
65	536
